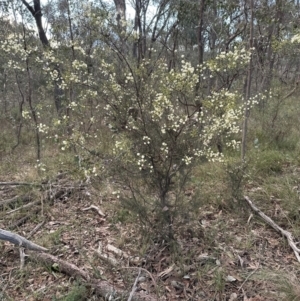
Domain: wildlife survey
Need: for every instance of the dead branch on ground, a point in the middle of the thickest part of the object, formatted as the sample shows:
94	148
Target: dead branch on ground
280	230
20	241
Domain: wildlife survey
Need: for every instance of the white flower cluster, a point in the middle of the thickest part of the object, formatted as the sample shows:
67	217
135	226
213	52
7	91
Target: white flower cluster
43	128
118	145
172	107
187	160
129	78
40	166
26	114
78	65
295	38
54	75
164	150
116	193
229	60
160	104
146	140
73	105
141	161
65	145
184	79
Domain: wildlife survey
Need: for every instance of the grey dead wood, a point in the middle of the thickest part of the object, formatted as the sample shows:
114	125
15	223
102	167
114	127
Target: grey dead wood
20	241
280	230
134	288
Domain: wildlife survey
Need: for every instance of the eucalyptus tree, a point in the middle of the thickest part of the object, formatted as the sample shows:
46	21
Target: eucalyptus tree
36	12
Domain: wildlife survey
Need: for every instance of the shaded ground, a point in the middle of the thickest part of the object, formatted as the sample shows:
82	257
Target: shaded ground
222	255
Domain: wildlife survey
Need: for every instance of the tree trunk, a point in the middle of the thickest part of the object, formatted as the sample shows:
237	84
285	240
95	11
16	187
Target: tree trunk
121	21
248	87
121	11
36	12
200	32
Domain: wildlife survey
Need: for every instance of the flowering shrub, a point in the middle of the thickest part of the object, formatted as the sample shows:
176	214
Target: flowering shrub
172	130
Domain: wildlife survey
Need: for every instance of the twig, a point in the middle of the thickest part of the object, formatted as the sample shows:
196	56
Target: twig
134	286
252	273
154	282
22	258
37	227
270	222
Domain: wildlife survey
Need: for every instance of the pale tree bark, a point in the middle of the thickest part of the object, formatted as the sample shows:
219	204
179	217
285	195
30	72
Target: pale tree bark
200	32
269	63
121	11
248	87
138	29
121	21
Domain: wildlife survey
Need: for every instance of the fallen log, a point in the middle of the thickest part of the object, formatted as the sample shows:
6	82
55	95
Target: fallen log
20	241
60	265
280	230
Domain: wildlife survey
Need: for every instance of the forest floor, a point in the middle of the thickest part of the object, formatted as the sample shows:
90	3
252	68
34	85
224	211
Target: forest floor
222	254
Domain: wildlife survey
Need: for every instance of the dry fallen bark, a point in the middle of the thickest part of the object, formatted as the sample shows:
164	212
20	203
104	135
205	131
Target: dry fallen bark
95	208
20	241
111	260
102	288
270	222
